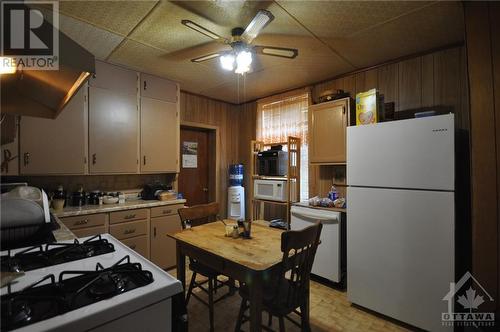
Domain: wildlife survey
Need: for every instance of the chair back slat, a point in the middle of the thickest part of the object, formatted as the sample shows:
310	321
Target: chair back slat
199	214
299	249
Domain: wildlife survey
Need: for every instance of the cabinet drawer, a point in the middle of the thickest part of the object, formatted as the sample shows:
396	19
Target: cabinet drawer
166	210
88	220
139	244
89	231
128	229
128	215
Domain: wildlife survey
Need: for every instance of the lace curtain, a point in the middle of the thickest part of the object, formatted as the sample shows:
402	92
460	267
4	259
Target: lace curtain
285	116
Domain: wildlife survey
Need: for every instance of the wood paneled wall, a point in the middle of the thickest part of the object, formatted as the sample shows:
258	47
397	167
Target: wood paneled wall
436	80
433	81
225	116
482	21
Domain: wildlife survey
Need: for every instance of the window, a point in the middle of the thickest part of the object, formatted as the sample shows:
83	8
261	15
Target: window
282	117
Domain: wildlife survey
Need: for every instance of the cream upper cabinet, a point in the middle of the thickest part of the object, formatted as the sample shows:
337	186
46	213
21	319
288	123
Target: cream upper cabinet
327	132
114	78
159	136
56	146
113	132
158	88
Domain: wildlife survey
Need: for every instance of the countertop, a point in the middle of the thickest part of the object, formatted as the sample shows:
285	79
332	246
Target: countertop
128	205
63	233
306	204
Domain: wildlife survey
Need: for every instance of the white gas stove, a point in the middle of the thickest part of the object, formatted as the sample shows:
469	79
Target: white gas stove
140	301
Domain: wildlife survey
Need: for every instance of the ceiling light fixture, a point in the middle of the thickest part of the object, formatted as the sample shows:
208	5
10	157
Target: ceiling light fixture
243	62
7	65
242	59
227	61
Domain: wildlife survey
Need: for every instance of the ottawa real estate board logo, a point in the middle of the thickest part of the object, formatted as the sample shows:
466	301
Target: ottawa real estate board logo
464	300
30	35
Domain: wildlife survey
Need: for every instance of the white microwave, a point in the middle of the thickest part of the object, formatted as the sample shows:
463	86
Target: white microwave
273	190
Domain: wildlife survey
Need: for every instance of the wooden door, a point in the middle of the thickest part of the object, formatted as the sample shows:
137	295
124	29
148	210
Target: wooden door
163	248
159	136
113	132
56	146
193	181
158	88
327	132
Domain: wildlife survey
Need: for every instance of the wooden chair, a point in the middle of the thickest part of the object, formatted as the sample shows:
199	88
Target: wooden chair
289	289
195	216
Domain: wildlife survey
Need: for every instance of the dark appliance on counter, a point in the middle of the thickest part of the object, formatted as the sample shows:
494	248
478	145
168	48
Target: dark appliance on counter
93	198
78	198
272	162
151	190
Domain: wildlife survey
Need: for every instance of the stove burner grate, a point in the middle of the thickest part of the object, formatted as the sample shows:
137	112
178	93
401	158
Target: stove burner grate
36	303
55	253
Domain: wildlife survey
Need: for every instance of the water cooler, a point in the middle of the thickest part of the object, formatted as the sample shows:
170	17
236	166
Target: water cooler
236	193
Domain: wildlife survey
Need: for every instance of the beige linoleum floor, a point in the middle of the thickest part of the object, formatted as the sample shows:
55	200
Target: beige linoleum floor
330	312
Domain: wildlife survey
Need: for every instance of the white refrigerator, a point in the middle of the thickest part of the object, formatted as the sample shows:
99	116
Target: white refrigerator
401	218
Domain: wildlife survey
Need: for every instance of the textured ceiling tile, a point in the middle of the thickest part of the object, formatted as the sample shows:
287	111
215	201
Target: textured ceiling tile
163	29
434	26
116	16
340	19
97	41
192	77
274	80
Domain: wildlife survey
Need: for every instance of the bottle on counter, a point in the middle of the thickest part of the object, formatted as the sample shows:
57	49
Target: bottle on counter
333	194
59	199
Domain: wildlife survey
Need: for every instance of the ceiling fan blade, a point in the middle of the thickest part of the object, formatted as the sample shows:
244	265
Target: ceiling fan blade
198	28
259	22
281	52
206	57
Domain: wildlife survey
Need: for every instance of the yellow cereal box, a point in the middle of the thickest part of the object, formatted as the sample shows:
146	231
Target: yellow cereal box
366	107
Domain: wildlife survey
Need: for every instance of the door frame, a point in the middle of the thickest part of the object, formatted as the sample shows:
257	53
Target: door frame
214	157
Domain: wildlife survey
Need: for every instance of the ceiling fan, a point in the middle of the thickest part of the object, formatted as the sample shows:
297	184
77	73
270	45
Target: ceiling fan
239	58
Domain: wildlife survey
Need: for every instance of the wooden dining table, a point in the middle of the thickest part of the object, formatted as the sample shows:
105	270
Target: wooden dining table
252	261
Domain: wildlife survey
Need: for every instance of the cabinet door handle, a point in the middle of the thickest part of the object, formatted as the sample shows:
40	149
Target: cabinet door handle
82	222
129	216
343	109
132	246
144	160
26	158
145	85
154	231
94	159
129	231
167	211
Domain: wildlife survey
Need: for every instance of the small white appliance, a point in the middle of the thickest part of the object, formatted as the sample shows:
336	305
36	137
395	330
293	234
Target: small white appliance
272	190
236	203
401	218
329	260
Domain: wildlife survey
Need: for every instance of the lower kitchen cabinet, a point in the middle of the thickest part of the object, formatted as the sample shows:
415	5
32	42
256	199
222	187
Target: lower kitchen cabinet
138	244
143	230
163	248
89	231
